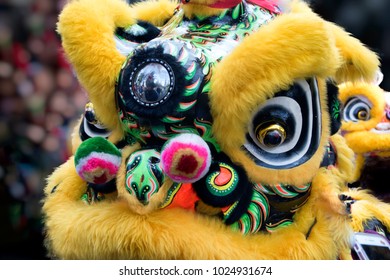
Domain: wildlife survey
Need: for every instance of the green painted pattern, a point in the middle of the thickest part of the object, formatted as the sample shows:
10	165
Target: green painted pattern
258	211
223	190
144	175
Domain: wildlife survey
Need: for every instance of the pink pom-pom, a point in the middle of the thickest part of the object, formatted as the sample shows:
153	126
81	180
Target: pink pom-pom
186	158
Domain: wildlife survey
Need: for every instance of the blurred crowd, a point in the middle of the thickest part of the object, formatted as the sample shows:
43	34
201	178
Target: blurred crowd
40	99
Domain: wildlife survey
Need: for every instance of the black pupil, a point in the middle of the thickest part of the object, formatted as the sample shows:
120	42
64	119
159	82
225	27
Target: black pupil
154	160
362	114
273	138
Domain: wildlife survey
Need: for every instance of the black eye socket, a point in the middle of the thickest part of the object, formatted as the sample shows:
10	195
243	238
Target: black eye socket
357	109
277	125
285	131
89	114
154	160
270	134
133	162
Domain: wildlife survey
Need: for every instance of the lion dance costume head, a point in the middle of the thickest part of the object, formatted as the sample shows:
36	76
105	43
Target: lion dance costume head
211	133
366	127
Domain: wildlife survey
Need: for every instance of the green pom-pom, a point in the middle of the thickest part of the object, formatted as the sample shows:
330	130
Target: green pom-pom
97	160
96	144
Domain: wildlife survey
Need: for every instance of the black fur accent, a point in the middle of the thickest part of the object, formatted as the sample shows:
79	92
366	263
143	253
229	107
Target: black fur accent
203	110
334	107
53	190
151	32
83	135
242	205
311	228
105	188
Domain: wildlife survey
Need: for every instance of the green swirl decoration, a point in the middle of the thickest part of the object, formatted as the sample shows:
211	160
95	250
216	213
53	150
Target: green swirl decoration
336	110
205	132
253	220
271	208
284	190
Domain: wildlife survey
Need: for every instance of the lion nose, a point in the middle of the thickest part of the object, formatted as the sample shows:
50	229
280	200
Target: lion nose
383	126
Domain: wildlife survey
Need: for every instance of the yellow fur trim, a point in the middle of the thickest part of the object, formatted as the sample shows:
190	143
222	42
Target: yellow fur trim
365	141
74	182
345	158
358	62
156	12
75	136
326	187
92	52
359	164
110	230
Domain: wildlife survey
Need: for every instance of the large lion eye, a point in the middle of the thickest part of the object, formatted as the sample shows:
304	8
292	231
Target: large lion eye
357	109
285	131
152	84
